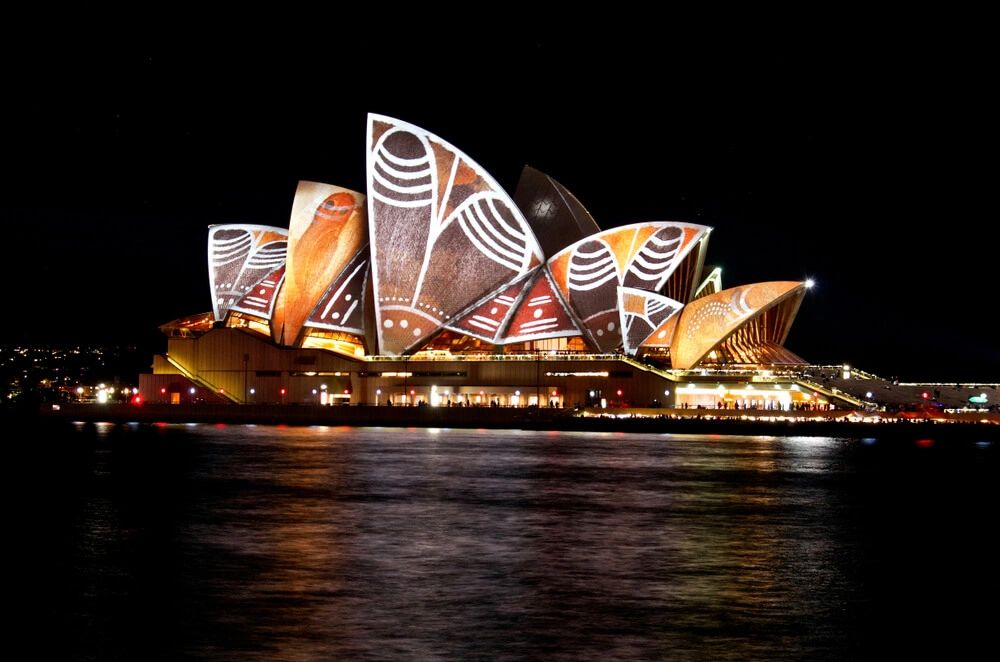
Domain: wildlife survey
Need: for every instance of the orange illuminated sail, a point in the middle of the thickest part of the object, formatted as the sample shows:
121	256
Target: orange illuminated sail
327	229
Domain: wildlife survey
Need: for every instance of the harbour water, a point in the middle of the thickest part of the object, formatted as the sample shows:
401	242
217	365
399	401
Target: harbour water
275	543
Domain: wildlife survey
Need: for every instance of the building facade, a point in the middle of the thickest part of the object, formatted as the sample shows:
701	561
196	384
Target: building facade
438	288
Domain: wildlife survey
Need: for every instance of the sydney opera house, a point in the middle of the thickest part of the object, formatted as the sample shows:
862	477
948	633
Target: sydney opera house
439	288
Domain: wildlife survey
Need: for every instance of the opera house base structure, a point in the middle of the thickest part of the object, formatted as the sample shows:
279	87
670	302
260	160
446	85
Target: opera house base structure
438	289
232	365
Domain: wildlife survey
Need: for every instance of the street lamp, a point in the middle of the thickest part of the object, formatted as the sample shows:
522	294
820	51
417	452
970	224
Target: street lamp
378	392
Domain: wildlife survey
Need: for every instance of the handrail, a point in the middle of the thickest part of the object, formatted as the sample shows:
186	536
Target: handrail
972	385
201	381
835	393
666	374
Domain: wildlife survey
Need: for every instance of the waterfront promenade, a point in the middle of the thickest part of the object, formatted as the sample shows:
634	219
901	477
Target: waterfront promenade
845	423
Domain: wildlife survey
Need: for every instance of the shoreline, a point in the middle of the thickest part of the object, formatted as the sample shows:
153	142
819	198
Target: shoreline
668	421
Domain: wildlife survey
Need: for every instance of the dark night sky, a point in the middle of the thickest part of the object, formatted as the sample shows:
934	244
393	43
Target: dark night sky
859	160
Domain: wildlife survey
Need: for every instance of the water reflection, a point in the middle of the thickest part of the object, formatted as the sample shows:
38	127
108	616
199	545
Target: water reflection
260	542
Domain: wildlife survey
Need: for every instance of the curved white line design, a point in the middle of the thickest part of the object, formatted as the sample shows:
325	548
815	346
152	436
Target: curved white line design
383	165
652	265
589	270
402	188
490	247
485	231
398	160
238	265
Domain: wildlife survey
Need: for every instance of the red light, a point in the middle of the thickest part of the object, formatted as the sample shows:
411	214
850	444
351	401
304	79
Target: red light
924	395
163	391
412	392
282	391
347	390
619	393
137	400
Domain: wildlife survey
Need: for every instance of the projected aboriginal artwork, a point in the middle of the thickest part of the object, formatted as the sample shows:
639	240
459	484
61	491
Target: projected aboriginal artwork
641	313
342	307
643	255
707	321
488	320
437	244
240	258
443	233
260	299
327	229
663	335
541	314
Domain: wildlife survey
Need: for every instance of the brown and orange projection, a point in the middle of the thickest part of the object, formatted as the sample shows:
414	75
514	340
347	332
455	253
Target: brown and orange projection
444	235
708	321
589	272
641	313
328	227
241	260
